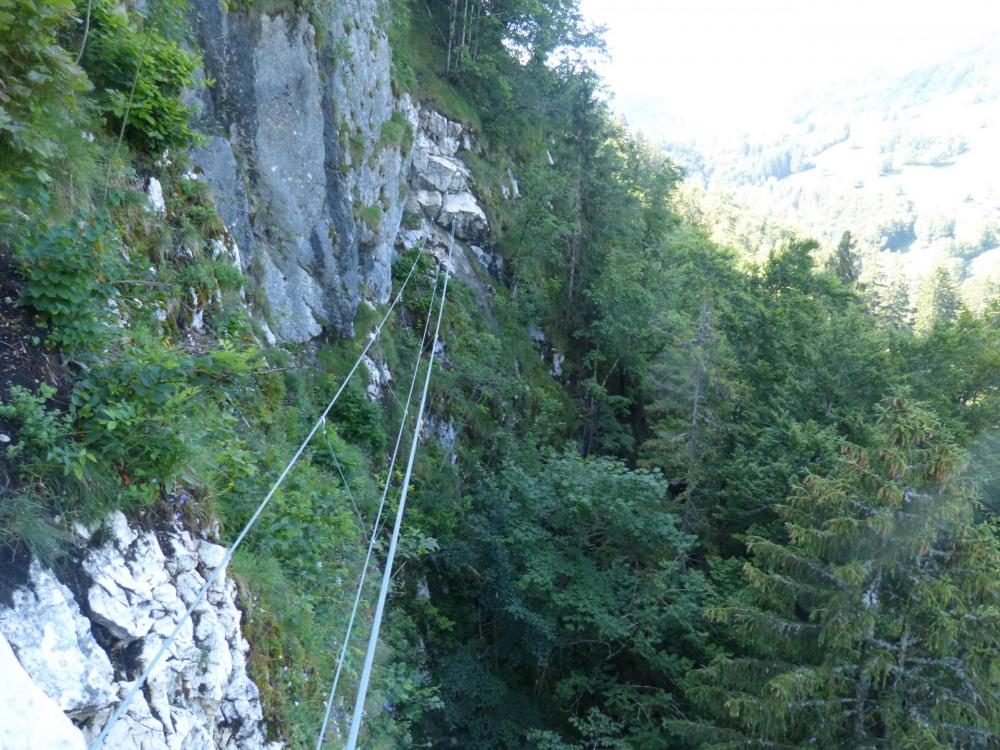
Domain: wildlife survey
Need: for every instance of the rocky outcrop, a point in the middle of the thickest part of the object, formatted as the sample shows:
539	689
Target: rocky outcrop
83	636
441	202
441	183
379	378
308	158
314	160
55	645
29	718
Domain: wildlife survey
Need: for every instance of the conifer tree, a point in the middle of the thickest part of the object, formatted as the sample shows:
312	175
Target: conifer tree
875	624
897	310
941	301
845	263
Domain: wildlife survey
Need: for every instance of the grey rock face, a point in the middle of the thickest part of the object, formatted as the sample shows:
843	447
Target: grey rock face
374	159
218	163
130	591
154	194
461	211
315	158
134	592
441	195
379	378
279	207
306	168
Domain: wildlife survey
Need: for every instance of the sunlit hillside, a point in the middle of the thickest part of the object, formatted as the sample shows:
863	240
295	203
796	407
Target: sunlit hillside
907	164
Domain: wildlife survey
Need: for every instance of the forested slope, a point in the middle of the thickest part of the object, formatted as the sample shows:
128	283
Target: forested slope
902	161
668	498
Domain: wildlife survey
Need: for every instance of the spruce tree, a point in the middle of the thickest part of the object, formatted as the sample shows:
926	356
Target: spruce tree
898	312
941	302
845	263
874	625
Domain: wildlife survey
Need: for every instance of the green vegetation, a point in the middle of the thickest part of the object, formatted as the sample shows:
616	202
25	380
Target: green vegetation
371	216
811	525
397	133
869	622
741	515
137	70
416	63
159	419
40	112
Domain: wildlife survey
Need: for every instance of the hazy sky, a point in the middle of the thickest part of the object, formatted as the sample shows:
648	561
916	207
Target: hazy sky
720	65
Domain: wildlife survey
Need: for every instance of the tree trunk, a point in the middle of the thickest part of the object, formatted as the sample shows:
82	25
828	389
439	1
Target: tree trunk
474	31
465	28
453	13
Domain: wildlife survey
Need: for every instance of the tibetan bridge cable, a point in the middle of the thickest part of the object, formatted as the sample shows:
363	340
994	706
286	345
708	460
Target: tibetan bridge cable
359	703
342	656
165	647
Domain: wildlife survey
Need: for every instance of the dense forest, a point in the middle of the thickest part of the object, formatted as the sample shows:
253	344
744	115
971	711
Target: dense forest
753	506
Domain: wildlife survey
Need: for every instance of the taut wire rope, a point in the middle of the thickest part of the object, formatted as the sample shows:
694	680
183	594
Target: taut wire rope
169	641
366	671
341	657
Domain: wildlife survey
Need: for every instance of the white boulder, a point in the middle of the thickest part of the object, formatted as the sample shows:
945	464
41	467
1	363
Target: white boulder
29	719
462	212
54	644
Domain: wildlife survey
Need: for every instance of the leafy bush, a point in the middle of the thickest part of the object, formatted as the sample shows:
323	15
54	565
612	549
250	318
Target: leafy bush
359	420
44	435
67	281
135	413
121	55
40	427
206	274
197	208
149	411
39	105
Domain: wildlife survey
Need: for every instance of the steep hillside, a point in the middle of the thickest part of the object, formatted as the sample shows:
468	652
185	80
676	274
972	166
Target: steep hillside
906	164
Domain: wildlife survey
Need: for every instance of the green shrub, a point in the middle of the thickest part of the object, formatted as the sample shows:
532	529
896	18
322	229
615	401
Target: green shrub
152	411
39	106
372	216
120	54
396	132
356	148
205	275
40	428
197	208
44	435
67	282
135	413
411	220
359	419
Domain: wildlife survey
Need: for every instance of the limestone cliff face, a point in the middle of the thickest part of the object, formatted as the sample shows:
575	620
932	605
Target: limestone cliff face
75	638
441	202
313	160
307	183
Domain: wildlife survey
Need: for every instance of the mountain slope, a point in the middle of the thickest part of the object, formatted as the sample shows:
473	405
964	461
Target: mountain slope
907	164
